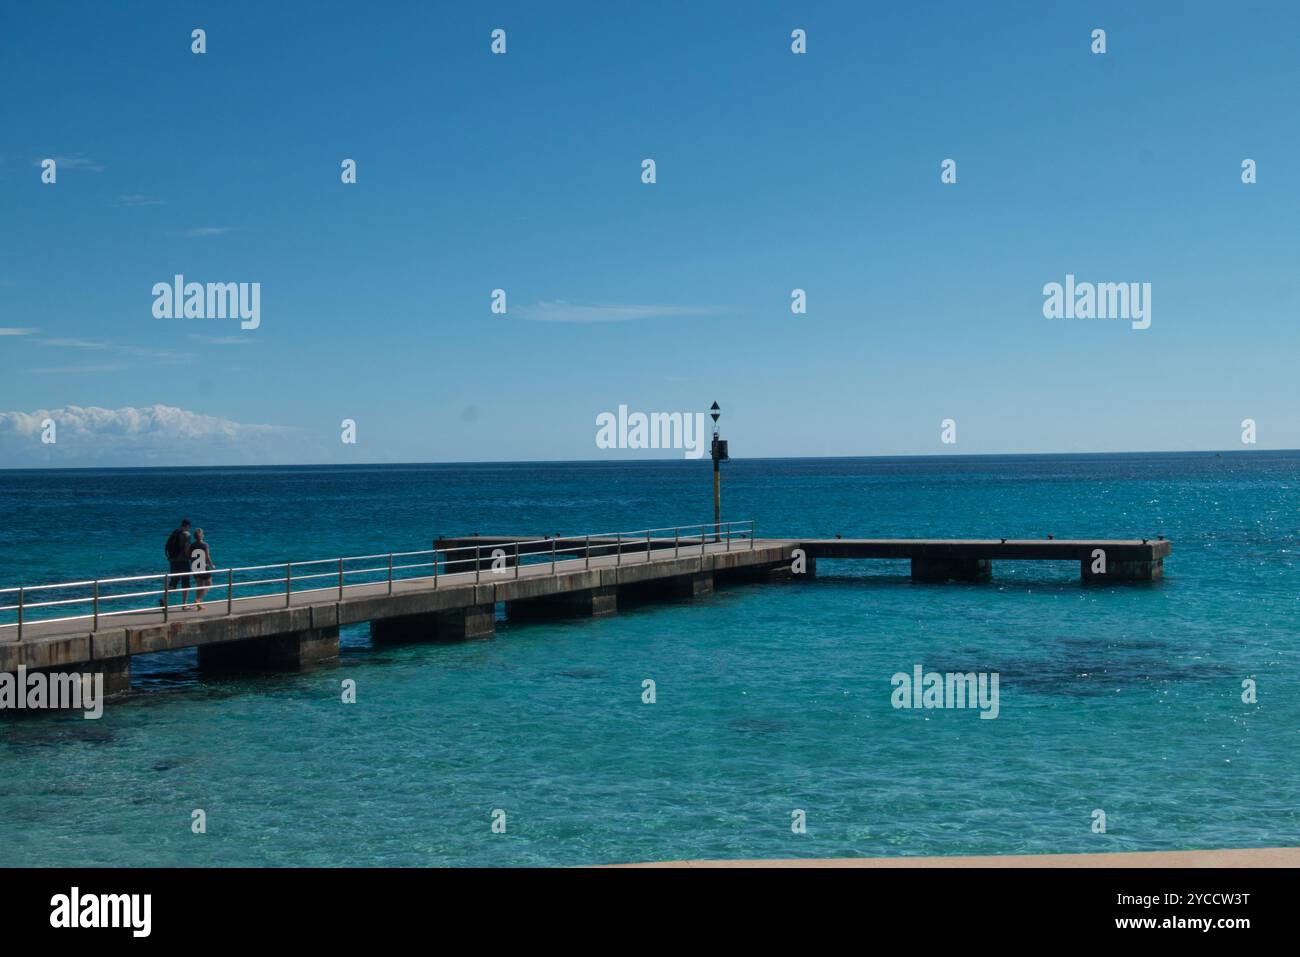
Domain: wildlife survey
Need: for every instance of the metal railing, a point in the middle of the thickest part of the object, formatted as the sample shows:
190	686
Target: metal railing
504	558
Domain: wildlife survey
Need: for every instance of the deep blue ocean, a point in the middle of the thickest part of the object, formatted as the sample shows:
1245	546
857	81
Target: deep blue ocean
770	698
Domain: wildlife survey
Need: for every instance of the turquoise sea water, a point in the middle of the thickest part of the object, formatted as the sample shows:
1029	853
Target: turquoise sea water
770	698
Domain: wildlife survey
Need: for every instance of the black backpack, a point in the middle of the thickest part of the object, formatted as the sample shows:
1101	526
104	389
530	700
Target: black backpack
174	549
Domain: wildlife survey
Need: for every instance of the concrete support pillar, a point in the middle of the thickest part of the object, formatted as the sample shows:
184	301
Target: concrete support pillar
292	651
590	603
117	674
809	570
951	569
1124	571
116	682
455	624
784	572
676	587
691	586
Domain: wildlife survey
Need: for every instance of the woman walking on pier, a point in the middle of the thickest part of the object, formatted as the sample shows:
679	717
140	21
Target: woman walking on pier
201	565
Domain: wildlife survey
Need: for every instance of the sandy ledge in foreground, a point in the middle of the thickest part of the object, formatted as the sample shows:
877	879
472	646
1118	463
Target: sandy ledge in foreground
1248	857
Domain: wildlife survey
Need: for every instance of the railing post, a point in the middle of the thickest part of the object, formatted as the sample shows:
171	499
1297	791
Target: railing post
340	579
728	536
288	582
95	607
552	556
478	565
647	546
618	560
230	591
167	594
677	543
753	535
702	538
516	559
586	548
20	614
390	571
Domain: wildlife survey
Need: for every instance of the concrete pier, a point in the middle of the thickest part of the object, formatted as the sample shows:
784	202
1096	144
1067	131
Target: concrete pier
300	629
933	560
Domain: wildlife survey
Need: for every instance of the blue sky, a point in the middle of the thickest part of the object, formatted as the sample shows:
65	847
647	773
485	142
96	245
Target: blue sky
523	172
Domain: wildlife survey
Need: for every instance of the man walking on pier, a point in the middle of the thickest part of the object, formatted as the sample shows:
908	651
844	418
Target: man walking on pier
178	561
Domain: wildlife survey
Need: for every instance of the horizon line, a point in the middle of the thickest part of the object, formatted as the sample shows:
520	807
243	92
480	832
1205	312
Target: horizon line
647	461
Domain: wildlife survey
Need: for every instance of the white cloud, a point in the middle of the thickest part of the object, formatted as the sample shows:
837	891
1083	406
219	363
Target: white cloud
199	232
562	311
131	436
16	331
136	199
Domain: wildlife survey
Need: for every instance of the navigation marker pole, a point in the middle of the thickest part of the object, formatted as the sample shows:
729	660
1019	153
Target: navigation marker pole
719	451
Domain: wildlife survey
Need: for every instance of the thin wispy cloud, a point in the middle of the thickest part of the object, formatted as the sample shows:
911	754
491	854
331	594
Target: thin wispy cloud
136	199
563	311
85	369
222	340
16	331
136	352
200	232
77	161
